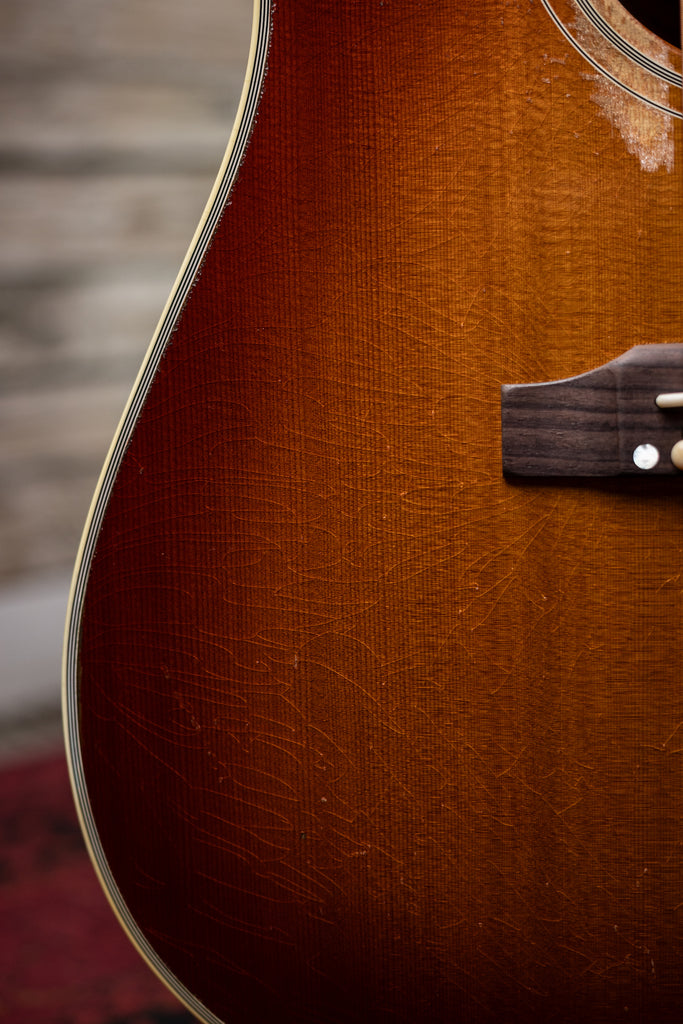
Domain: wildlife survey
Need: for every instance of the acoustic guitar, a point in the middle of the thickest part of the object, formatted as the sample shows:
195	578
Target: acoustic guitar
373	691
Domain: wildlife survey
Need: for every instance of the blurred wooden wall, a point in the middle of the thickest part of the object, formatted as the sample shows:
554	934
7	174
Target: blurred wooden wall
114	115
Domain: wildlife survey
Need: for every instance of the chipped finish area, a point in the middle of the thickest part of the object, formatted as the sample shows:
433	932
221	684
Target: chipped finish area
648	133
632	87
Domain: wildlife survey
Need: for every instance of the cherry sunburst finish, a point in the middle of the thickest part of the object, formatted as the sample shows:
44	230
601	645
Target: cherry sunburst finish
360	730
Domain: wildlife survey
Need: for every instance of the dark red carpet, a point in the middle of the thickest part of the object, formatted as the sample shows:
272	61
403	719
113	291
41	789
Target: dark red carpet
64	958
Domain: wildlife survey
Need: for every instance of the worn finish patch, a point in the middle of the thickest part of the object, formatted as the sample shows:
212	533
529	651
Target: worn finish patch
647	131
635	74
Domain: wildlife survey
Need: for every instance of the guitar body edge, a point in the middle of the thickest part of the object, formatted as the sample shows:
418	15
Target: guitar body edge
244	119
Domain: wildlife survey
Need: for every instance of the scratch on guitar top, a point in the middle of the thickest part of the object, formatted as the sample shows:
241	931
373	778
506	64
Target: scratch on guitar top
671	735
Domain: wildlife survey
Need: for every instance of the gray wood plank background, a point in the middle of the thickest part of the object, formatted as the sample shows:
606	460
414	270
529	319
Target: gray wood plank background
114	115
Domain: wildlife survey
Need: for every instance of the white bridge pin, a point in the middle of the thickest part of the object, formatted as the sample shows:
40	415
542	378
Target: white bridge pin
646	456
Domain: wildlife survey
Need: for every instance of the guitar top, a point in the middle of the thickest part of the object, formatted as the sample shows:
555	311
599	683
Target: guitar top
362	730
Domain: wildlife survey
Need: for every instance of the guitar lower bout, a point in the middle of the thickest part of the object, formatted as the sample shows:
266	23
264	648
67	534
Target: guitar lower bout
359	729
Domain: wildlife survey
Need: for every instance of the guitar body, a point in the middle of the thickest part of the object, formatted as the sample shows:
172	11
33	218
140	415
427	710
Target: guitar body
360	730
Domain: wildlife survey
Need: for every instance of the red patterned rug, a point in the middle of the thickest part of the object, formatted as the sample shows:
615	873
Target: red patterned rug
64	958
